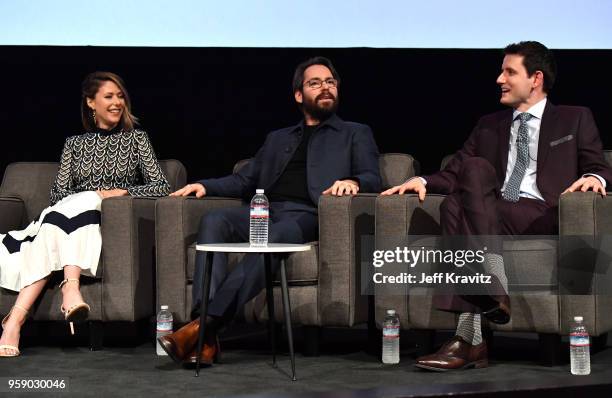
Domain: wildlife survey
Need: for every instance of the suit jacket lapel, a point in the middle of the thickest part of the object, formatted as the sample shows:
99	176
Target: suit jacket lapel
503	132
547	129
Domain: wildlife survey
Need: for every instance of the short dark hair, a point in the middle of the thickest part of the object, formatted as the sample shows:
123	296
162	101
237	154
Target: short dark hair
536	57
298	76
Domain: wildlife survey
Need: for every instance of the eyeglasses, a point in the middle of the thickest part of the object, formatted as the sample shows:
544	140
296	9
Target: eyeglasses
318	83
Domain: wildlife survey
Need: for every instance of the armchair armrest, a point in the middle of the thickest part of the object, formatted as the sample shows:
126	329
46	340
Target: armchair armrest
396	217
346	240
585	213
177	223
403	215
589	216
128	236
12	214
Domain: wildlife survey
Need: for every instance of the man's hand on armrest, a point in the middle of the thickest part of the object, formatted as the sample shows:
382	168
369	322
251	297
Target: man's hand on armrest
188	189
587	183
415	184
343	187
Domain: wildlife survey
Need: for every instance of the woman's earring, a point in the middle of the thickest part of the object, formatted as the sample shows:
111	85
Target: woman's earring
93	114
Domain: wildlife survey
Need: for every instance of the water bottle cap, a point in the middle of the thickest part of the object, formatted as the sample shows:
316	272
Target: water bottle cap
578	319
259	191
390	312
164	307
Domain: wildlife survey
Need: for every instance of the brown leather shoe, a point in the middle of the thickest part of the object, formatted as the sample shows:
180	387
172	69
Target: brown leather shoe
455	354
211	352
495	308
181	342
499	313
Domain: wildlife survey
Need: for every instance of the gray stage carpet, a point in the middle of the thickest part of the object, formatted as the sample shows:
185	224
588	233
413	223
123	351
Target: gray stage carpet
342	367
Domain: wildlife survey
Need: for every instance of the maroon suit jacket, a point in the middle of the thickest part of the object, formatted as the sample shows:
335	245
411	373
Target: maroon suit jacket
569	146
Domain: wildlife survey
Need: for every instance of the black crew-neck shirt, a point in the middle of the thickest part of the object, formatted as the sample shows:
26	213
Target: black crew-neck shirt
292	185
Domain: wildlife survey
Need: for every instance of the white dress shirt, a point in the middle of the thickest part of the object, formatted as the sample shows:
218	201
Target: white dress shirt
529	188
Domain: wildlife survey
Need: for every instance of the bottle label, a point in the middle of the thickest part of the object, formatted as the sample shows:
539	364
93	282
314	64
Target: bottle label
164	326
391	332
259	212
578	339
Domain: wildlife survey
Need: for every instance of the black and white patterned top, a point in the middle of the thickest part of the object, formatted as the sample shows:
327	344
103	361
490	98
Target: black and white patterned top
109	160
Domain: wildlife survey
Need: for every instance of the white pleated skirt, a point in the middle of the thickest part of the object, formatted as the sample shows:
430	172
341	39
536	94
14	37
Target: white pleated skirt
67	233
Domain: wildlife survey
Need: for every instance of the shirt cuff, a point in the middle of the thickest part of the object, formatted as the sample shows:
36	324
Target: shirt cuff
412	178
600	178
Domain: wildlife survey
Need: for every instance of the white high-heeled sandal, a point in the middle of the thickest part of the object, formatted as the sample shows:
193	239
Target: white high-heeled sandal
5	347
78	312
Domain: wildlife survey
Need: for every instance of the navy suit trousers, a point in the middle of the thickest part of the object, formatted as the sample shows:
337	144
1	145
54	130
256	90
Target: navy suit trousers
289	223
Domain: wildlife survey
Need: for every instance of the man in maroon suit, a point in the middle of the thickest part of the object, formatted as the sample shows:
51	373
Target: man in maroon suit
506	180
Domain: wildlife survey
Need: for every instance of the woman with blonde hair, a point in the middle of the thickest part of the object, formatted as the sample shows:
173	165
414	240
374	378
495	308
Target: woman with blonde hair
112	158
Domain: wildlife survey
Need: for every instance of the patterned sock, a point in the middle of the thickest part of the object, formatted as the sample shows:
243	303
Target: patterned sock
494	265
469	328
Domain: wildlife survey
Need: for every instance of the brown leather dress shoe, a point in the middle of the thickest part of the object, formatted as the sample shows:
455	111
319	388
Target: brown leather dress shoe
178	344
495	308
455	354
499	313
211	353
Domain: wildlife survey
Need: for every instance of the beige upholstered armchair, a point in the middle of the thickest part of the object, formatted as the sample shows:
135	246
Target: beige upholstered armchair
323	283
537	305
123	290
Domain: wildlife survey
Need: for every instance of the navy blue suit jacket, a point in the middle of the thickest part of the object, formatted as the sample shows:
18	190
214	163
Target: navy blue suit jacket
337	150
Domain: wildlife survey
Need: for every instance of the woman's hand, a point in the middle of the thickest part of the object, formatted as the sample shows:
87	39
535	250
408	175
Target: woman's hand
109	193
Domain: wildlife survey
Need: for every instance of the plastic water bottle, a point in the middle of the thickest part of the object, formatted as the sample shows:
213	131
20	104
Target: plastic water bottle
580	356
259	216
164	326
391	338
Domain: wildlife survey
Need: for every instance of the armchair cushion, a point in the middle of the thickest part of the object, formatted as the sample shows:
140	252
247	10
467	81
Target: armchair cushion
175	173
396	168
12	214
30	182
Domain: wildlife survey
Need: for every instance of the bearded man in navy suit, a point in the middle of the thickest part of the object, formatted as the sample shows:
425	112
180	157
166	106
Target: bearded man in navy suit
506	180
321	155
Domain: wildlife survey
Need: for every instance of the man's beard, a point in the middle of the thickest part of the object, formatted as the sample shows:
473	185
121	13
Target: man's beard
318	111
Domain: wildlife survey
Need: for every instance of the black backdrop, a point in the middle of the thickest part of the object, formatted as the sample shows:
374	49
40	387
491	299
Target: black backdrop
210	107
